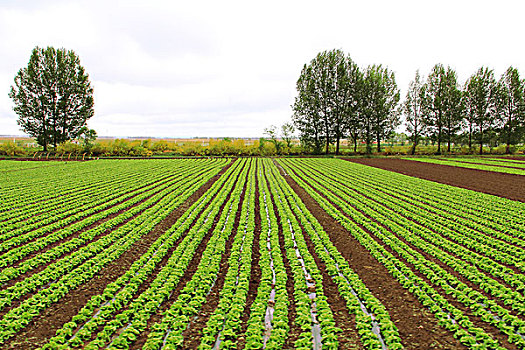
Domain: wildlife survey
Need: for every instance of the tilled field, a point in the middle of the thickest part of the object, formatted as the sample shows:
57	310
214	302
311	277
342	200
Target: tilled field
499	184
254	254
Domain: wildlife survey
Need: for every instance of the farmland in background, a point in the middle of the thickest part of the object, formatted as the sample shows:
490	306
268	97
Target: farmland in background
261	253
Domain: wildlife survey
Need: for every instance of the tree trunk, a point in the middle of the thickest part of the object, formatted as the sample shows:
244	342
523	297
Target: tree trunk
507	149
337	145
480	140
414	144
470	137
44	136
439	141
368	141
449	137
355	144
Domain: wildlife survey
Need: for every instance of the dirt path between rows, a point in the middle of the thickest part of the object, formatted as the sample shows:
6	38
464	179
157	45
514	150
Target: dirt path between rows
417	327
192	334
50	320
187	276
499	184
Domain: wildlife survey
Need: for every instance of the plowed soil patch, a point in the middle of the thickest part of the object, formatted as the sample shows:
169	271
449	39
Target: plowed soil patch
418	328
499	184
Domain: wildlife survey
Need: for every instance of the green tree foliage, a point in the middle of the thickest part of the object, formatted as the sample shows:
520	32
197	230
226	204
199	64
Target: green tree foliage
87	137
287	131
412	109
481	102
380	101
354	100
336	99
511	107
306	116
53	96
453	106
327	96
271	132
434	103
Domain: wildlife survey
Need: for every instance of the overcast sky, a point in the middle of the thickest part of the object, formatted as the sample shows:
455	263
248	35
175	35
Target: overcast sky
228	68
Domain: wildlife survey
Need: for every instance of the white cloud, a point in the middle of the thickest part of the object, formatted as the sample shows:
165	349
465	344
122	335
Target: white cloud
228	68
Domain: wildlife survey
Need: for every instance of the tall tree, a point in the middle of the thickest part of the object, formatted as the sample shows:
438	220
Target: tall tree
53	96
323	68
481	101
353	101
511	107
434	105
327	87
453	105
379	102
306	115
412	109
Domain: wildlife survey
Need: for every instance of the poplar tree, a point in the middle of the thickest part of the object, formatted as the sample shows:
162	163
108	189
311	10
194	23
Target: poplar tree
412	109
380	98
53	96
481	102
511	107
453	105
434	105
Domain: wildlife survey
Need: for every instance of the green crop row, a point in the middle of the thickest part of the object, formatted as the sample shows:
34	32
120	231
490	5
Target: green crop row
52	283
63	206
478	166
118	305
194	294
268	323
224	325
406	261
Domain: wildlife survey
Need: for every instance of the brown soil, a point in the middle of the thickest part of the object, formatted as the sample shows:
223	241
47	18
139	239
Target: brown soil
502	338
255	276
40	268
193	333
348	338
509	165
50	320
499	184
417	327
188	274
522	158
295	330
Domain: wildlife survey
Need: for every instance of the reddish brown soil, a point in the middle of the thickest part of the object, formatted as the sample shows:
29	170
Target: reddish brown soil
188	274
507	164
255	276
37	269
193	333
522	158
417	327
295	330
348	338
44	327
502	338
499	184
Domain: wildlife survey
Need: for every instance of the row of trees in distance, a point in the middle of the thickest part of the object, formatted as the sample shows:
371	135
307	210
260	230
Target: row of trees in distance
337	99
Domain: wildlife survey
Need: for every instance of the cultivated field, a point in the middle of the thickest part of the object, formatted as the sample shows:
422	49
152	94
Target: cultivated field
261	254
508	166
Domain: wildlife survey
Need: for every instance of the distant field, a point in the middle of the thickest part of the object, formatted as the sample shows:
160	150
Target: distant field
502	166
260	253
